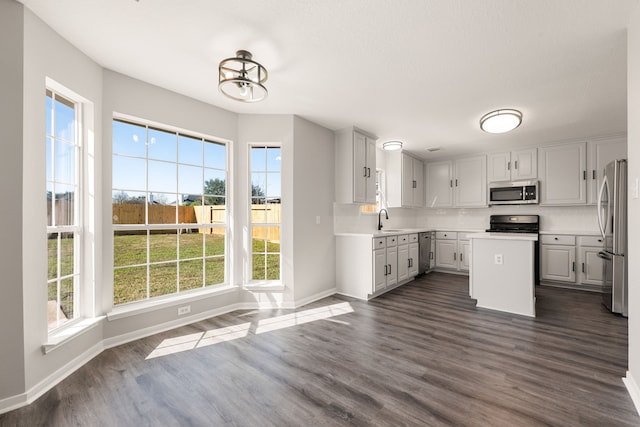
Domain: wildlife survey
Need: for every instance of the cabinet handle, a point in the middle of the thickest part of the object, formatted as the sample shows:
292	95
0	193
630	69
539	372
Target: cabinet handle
583	267
364	171
385	270
389	268
460	257
584	175
508	166
430	254
573	266
516	165
415	184
454	256
451	183
555	238
593	174
456	182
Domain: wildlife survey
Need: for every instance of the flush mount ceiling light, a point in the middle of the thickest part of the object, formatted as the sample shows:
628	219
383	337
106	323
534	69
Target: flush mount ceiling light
500	121
392	145
241	78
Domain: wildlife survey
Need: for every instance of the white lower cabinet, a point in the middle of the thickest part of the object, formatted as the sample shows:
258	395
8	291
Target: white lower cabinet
571	260
453	250
367	267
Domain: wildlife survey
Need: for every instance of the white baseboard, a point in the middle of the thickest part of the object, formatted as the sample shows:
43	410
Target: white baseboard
315	297
633	389
23	399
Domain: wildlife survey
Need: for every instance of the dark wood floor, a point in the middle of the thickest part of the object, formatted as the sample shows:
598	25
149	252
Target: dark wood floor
419	355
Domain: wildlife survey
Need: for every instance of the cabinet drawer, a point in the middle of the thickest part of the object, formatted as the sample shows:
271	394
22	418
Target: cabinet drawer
379	243
463	236
446	235
403	239
594	241
557	239
413	238
392	241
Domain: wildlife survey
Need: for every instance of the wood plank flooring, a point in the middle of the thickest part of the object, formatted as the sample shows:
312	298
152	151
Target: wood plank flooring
420	355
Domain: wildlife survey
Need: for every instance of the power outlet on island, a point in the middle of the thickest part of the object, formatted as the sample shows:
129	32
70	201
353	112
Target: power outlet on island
184	310
497	259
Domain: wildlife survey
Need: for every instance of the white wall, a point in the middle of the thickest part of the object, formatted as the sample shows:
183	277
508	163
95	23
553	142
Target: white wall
313	192
633	149
11	309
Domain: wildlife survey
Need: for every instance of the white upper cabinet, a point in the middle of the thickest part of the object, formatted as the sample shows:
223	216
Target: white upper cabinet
562	170
600	153
405	180
459	183
355	160
513	166
439	184
470	182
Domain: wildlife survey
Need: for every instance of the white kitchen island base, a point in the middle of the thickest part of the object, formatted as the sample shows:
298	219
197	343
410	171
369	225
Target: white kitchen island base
502	272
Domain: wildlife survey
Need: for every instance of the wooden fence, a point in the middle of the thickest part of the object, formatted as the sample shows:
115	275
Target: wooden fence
130	213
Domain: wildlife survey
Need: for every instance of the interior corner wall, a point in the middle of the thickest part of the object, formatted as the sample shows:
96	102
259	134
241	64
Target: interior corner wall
633	152
313	192
46	54
265	128
12	381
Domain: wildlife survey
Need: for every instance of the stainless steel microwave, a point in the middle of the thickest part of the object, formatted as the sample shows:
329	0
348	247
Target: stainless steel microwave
513	193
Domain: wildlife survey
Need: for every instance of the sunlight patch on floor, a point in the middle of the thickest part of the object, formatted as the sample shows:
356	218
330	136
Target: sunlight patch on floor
215	336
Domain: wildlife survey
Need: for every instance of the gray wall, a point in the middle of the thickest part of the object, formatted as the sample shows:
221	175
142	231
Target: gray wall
11	329
633	151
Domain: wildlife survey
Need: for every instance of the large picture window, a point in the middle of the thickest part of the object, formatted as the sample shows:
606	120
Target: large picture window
64	227
265	212
169	211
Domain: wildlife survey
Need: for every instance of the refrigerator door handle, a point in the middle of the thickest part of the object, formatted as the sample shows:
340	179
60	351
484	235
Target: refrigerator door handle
599	207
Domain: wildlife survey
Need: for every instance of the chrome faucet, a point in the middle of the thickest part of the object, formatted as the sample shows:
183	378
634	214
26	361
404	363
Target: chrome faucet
386	214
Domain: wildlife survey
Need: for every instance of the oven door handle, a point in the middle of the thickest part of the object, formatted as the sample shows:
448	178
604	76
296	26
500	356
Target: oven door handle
604	255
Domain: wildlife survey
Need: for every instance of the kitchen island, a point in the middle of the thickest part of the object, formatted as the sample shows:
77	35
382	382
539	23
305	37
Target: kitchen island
502	272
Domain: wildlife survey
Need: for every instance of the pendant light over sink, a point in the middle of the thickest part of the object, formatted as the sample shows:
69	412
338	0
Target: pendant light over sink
501	121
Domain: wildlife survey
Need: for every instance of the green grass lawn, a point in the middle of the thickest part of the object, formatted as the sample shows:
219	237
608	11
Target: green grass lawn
197	258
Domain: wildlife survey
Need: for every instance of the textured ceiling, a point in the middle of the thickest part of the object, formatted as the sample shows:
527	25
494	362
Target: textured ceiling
422	71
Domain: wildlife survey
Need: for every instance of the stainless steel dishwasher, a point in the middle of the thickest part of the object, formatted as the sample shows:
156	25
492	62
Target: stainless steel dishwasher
426	240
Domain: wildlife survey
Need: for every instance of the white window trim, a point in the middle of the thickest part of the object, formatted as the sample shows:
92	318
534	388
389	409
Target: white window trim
154	303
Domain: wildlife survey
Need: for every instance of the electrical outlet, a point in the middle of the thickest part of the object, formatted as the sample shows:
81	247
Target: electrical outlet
184	310
498	259
318	219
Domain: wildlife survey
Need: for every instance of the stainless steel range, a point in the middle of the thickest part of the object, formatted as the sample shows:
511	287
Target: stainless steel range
518	224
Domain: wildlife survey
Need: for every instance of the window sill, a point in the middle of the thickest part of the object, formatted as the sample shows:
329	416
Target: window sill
136	308
58	338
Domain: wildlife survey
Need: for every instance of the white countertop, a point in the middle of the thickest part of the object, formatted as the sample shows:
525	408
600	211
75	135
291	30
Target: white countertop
504	236
399	231
572	232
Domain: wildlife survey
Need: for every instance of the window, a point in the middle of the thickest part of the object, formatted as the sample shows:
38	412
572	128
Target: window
265	212
379	196
64	201
169	211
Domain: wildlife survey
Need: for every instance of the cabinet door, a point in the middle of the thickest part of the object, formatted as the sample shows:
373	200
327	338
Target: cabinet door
403	262
407	180
557	262
600	153
470	182
524	164
370	163
446	254
380	269
359	168
439	184
414	259
563	174
418	178
498	167
464	251
591	268
392	263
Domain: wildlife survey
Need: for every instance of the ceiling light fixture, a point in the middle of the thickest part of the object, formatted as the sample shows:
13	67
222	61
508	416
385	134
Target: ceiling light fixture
501	121
242	79
392	145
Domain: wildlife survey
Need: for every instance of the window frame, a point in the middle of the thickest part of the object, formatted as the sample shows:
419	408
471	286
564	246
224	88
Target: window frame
179	228
251	282
80	311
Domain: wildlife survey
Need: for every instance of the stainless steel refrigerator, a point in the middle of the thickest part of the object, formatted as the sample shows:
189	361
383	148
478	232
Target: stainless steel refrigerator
612	220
